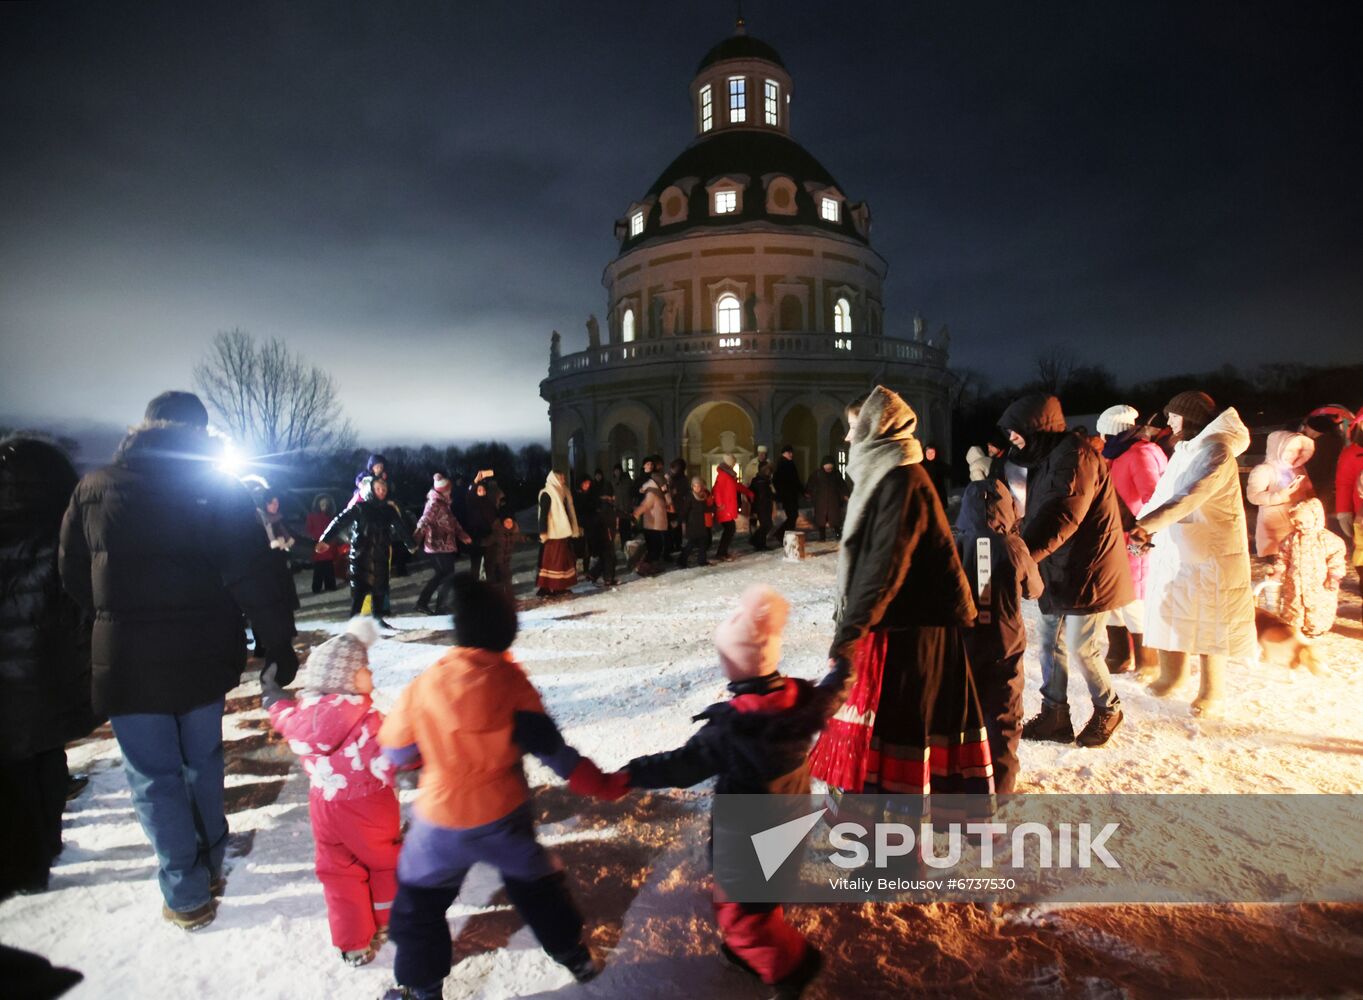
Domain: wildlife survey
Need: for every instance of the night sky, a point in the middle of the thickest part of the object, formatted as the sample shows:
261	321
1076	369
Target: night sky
415	194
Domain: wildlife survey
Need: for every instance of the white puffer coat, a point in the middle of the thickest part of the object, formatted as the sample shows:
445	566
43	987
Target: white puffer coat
1198	597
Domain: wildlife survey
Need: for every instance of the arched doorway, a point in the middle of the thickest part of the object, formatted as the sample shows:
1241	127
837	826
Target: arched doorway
837	445
713	430
622	449
800	430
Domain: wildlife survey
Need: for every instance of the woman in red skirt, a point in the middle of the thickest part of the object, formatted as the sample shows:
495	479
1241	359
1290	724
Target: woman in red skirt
912	723
558	528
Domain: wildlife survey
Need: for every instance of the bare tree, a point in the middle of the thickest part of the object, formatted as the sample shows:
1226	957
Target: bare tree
1054	366
270	398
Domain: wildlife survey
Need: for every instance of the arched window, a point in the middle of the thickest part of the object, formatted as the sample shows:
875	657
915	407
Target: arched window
842	317
627	326
728	314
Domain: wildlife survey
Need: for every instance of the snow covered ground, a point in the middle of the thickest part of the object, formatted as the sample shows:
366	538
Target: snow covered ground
623	671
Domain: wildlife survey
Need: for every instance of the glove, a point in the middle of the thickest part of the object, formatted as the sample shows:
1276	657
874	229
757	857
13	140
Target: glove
270	689
285	663
588	780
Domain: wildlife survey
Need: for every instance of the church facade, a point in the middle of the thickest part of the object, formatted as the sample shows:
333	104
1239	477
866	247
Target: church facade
744	309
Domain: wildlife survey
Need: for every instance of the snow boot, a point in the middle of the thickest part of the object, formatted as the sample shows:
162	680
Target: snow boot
416	992
362	956
1145	657
1100	727
191	920
75	784
794	985
580	963
1119	659
423	609
1173	667
1052	724
1207	702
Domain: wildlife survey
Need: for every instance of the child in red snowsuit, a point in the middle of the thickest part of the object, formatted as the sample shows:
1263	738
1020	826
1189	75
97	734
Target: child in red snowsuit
334	727
757	742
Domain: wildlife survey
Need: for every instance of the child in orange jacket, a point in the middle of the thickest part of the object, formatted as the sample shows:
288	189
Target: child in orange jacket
470	717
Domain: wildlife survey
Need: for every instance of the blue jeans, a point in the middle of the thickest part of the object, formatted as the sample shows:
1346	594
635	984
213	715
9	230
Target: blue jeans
175	769
1067	636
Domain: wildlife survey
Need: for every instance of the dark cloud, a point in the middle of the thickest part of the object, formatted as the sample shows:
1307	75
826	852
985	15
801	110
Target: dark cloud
416	194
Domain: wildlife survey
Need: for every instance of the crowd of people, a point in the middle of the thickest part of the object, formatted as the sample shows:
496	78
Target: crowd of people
1134	543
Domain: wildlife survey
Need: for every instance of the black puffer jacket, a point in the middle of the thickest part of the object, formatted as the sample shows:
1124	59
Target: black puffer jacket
167	553
1073	522
370	527
44	637
904	568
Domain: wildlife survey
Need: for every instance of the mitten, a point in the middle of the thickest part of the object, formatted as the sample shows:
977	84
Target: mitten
588	780
285	662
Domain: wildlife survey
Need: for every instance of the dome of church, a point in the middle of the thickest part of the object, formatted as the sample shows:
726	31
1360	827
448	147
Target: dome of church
740	46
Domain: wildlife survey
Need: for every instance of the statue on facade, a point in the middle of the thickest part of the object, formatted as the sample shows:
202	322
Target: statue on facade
762	313
593	331
919	328
944	339
555	346
669	317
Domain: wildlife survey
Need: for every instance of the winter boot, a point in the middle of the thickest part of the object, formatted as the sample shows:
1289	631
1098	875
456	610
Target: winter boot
191	920
1119	659
423	608
1052	724
1101	725
362	956
580	963
1145	657
1173	667
1207	702
75	784
794	985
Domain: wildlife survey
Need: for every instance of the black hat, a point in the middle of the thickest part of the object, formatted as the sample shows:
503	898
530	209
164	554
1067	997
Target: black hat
484	617
176	407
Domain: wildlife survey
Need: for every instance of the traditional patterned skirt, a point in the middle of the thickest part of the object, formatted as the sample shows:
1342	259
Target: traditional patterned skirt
912	723
558	566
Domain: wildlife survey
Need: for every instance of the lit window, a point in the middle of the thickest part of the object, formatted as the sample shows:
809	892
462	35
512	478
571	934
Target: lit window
707	109
627	326
829	209
636	224
771	101
842	317
738	99
728	315
726	202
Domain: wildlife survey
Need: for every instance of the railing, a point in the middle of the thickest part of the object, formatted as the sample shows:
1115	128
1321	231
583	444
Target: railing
688	346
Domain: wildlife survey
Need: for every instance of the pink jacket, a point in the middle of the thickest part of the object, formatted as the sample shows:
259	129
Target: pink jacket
438	528
1134	475
337	737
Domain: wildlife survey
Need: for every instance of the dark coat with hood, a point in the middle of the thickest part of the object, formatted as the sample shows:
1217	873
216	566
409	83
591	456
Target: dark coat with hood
1073	522
370	526
167	552
44	636
989	512
786	481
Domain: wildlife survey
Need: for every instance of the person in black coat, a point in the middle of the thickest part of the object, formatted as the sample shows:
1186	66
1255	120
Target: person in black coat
902	603
370	527
45	699
166	553
828	490
763	507
786	484
1073	529
937	471
480	517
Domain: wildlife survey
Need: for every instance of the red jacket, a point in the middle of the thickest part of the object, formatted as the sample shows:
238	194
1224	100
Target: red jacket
337	735
726	493
1348	470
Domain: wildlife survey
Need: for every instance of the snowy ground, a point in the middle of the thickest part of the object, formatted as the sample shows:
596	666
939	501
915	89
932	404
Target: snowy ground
623	672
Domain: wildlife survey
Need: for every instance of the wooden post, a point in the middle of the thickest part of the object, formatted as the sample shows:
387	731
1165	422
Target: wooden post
794	544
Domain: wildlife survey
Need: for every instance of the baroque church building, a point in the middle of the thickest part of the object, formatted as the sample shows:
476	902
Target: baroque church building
744	308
